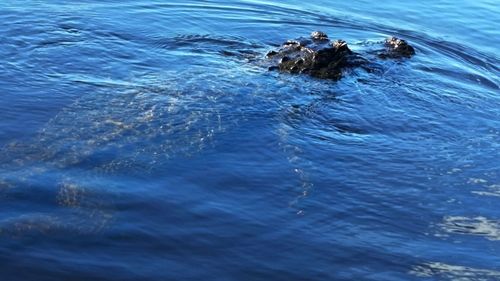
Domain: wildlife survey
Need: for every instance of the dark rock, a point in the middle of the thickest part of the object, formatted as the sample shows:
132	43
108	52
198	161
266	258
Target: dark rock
316	56
397	48
319	36
320	57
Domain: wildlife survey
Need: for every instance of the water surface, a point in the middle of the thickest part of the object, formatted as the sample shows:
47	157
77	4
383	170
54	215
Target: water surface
143	140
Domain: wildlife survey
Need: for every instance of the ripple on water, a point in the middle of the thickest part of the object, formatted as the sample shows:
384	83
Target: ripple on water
477	226
454	272
492	190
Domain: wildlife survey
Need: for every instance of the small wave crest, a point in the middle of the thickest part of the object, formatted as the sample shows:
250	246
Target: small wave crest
454	272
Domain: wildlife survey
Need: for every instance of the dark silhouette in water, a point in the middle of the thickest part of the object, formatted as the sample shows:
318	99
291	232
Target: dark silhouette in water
320	57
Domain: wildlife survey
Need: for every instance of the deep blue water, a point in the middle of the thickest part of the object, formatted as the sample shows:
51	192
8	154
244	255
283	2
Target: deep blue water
142	140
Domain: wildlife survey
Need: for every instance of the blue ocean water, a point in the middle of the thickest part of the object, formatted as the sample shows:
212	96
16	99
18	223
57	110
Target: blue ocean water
142	140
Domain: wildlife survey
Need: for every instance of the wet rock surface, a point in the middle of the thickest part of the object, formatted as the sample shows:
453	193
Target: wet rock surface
321	57
397	48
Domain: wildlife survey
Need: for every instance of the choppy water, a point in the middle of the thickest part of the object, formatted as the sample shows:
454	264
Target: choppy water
142	140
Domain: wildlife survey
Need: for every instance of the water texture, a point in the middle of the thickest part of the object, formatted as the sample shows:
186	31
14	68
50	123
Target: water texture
146	140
